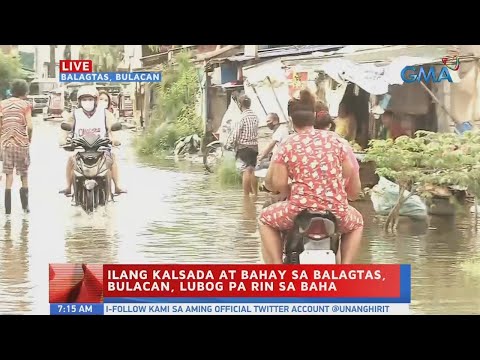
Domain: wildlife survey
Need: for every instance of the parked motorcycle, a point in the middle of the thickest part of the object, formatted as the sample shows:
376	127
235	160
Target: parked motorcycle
91	176
213	154
314	239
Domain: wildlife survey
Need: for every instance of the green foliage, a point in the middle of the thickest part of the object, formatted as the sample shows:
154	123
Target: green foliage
104	57
174	115
227	172
440	159
161	48
10	69
67	52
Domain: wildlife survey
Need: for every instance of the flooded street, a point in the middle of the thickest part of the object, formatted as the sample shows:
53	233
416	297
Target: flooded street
176	213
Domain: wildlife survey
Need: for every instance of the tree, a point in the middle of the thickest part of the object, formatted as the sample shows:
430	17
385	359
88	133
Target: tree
104	57
174	115
438	159
67	52
10	69
162	48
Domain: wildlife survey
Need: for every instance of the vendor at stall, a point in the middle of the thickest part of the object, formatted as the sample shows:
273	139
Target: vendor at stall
346	123
392	127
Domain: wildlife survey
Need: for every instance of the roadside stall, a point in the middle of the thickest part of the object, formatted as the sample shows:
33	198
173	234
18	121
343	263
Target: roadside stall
370	84
367	85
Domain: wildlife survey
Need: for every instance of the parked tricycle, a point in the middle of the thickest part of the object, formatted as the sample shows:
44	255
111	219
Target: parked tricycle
56	104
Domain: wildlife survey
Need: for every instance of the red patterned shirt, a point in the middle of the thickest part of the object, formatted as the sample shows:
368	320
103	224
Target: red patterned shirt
13	112
314	161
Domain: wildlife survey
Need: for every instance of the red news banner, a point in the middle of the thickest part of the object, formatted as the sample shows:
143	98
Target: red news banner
359	281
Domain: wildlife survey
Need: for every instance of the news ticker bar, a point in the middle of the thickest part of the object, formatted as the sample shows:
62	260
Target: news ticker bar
215	283
110	77
230	309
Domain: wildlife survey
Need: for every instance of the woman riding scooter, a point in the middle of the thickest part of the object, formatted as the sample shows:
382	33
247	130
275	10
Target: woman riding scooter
105	101
317	163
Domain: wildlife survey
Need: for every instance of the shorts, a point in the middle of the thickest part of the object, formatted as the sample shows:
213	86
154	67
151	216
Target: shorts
16	157
246	157
281	216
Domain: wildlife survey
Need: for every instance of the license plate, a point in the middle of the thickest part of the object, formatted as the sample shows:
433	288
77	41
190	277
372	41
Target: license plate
317	257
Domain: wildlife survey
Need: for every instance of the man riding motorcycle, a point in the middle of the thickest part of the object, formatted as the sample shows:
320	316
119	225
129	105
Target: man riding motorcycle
88	118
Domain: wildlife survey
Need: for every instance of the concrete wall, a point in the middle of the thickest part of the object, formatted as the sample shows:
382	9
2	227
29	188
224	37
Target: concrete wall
460	99
217	106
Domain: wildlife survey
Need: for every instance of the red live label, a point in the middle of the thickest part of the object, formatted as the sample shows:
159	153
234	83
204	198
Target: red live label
76	66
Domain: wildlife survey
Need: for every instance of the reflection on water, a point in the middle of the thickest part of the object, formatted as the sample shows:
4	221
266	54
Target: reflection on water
14	268
439	284
177	213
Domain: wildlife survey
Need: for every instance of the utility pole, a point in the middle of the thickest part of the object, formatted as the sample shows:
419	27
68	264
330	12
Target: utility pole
67	53
51	67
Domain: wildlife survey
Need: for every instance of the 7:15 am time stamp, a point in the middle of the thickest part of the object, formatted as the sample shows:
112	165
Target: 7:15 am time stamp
76	309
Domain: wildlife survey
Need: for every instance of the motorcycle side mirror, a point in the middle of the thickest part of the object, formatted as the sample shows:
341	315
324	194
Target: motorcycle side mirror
65	126
116	127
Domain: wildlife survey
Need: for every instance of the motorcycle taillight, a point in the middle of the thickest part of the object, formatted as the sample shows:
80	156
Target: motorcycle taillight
317	228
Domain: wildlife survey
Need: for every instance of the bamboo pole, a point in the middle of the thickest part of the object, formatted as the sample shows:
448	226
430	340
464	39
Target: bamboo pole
438	102
258	98
278	101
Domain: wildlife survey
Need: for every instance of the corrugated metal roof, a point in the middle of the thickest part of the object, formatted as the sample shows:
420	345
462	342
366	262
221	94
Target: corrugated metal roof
380	54
291	50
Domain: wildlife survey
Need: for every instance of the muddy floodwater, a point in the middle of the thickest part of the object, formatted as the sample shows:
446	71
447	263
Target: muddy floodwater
176	213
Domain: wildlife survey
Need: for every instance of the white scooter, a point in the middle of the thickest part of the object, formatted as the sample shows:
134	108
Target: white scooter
315	237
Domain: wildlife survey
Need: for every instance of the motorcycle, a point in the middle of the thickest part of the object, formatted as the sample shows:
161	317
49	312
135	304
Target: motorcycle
314	238
91	177
213	154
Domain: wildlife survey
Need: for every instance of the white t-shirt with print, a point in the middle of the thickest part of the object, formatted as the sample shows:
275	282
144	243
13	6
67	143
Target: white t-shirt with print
280	135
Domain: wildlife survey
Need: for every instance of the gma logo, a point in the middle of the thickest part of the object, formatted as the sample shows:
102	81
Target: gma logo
411	74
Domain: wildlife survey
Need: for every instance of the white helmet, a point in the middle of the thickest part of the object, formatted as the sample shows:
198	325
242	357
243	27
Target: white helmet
87	90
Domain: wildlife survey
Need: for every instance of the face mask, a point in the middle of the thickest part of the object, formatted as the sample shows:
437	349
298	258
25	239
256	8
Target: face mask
88	105
271	126
102	104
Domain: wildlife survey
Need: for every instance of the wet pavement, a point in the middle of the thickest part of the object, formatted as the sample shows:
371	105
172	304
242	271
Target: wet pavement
178	213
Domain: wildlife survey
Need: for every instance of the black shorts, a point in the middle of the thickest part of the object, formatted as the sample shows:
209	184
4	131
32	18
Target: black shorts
248	156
